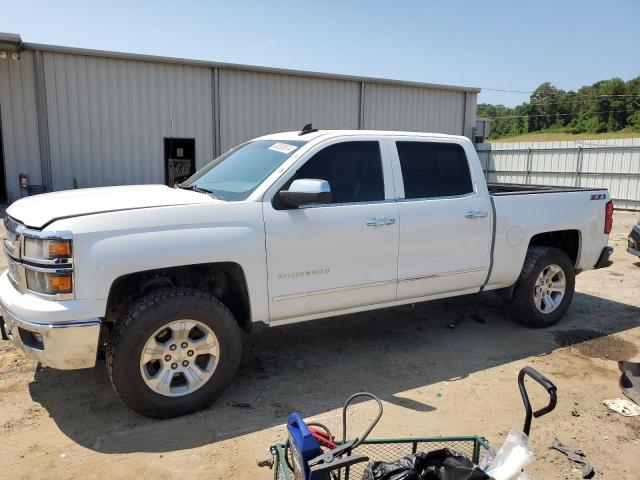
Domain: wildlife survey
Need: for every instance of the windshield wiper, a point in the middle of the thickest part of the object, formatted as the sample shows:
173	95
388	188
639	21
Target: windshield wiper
194	188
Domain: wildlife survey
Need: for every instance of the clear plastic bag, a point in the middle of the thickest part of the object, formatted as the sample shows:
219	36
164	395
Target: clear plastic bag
512	457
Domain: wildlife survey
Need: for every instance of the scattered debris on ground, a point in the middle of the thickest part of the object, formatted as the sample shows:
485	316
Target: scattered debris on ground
624	407
575	456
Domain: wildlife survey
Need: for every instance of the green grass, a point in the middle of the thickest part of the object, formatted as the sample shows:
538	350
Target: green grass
552	136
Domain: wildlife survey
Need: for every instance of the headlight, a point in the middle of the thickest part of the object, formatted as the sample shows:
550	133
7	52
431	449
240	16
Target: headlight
47	248
49	282
47	264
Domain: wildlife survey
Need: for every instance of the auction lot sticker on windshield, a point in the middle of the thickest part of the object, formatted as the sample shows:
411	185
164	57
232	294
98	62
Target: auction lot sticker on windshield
282	148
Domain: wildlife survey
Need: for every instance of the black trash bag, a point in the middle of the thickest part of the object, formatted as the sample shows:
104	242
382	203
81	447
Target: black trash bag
443	464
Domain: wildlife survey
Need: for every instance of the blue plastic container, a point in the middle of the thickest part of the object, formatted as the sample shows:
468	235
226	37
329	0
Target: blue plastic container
303	446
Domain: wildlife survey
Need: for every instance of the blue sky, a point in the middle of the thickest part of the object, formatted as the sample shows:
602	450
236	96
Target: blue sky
512	45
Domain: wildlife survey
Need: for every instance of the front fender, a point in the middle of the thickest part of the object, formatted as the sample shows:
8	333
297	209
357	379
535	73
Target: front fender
157	240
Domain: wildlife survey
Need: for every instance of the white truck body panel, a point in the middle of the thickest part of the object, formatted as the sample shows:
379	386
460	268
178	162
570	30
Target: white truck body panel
325	258
538	213
75	203
310	262
441	250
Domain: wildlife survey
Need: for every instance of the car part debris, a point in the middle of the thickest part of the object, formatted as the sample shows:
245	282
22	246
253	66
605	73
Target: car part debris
575	456
624	407
630	380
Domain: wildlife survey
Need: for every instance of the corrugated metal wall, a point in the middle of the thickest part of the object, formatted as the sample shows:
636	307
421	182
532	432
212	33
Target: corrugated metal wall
393	107
19	122
101	117
613	163
470	114
107	117
257	103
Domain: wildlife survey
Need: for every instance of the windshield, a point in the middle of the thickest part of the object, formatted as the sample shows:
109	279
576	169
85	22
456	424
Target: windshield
238	172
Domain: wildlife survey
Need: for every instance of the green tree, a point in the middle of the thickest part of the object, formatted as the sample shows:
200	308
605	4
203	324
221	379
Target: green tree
607	105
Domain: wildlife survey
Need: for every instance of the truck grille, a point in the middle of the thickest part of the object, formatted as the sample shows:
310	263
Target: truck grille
16	273
12	249
13	238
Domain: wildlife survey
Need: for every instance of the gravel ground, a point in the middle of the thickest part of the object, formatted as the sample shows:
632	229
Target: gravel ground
433	380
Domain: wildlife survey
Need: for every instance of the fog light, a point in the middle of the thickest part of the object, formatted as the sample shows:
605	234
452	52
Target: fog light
31	339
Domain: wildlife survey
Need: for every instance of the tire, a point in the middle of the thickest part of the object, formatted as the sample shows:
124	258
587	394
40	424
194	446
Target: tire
525	306
166	386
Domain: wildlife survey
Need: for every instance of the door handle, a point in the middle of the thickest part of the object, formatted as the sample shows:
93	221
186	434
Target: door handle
375	222
476	214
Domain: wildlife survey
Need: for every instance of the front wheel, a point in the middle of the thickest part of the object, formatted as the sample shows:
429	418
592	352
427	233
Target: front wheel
173	352
544	289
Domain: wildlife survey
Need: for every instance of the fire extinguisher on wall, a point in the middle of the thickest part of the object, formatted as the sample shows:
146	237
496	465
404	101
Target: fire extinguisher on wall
24	183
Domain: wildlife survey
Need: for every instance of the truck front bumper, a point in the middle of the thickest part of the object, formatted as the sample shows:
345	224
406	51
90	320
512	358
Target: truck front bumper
65	346
48	330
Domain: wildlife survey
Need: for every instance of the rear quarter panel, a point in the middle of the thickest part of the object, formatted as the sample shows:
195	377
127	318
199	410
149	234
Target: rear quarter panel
520	217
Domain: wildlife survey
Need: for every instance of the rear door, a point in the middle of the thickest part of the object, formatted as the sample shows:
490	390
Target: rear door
445	218
339	255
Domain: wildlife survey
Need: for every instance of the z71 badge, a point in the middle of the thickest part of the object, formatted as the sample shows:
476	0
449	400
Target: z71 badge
599	196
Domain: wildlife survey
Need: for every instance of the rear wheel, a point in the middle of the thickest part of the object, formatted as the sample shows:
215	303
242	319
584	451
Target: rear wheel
544	289
173	352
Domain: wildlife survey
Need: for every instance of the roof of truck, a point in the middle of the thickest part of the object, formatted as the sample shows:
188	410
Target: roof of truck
338	133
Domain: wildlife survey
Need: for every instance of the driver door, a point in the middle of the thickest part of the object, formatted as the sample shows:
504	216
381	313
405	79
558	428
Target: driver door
337	255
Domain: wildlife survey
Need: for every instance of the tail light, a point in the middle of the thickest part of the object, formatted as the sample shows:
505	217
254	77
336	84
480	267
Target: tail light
608	217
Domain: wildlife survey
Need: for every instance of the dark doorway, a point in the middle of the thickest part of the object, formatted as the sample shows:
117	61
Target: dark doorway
179	159
3	183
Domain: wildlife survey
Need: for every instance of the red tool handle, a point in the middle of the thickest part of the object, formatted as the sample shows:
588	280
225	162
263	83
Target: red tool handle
323	439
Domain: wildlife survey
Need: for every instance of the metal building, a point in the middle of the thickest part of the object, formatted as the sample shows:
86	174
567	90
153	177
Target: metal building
82	118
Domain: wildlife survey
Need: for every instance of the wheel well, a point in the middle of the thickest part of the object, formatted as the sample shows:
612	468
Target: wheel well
223	280
566	240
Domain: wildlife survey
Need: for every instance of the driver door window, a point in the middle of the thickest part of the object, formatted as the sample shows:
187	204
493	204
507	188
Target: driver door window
353	170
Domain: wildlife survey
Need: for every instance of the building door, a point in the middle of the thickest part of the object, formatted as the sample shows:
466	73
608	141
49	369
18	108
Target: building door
179	159
3	183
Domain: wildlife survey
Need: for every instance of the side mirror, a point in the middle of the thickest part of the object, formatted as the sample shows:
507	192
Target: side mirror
305	191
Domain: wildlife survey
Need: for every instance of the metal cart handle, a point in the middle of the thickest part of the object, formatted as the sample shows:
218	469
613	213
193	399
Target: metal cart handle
547	384
366	433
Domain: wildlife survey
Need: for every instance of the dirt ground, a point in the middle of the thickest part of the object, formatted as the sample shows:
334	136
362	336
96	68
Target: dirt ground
433	380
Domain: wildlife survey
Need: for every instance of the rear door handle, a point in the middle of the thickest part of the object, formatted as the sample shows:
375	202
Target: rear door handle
476	214
375	222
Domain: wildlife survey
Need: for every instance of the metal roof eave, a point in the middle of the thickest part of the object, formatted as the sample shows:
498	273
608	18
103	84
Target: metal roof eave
236	66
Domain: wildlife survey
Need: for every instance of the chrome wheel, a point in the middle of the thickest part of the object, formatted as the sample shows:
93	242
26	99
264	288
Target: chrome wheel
179	358
549	289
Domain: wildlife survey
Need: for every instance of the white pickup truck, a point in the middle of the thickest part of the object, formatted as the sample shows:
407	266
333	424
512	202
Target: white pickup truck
284	228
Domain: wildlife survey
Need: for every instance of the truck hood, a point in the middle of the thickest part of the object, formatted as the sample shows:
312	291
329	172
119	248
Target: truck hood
40	210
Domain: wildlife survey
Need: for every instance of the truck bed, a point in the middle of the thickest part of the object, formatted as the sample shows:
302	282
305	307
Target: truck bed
499	189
